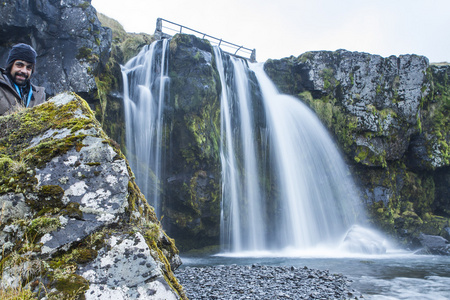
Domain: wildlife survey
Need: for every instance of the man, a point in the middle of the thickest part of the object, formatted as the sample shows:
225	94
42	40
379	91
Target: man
16	90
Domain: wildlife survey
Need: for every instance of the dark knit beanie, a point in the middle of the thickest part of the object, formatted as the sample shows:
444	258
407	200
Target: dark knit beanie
22	52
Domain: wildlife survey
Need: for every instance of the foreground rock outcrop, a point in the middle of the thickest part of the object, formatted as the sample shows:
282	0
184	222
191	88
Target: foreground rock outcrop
74	223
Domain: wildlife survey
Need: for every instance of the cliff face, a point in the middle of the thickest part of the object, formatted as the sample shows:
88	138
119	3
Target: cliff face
192	180
74	223
72	45
390	118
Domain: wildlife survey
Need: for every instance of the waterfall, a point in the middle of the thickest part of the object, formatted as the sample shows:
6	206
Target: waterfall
284	183
241	193
314	200
145	81
318	200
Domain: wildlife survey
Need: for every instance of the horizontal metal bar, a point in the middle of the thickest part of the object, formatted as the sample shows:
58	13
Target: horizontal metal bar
219	41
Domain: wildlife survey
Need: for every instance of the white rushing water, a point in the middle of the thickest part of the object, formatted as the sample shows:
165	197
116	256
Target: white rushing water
145	80
285	186
316	201
239	161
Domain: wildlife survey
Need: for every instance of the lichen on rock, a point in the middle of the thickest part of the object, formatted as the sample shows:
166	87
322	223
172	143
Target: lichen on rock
73	206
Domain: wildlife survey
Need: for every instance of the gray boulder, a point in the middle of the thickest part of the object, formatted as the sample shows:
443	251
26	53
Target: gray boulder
75	222
433	244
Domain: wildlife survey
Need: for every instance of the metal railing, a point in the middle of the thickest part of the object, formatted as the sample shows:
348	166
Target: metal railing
174	28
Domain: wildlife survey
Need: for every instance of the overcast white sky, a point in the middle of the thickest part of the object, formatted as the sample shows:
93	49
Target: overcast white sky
281	28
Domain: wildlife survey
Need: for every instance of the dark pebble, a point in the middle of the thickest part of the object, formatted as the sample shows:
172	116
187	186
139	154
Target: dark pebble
263	282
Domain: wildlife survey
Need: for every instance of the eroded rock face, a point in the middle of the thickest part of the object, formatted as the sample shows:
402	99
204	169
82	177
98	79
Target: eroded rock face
192	176
70	200
389	116
72	45
122	270
383	94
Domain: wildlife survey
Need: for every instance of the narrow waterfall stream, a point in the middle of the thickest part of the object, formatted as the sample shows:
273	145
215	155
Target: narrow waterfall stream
242	198
145	84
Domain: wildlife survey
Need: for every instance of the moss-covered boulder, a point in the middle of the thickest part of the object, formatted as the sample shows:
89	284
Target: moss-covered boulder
74	224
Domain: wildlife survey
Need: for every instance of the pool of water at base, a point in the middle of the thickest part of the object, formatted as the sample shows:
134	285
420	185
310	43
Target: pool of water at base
377	277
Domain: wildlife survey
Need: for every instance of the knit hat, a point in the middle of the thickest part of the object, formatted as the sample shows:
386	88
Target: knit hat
22	52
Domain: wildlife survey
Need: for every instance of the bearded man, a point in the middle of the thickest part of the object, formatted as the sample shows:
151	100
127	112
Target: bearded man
16	90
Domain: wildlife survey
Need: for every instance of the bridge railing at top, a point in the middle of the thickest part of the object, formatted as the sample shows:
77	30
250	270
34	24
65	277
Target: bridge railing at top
167	29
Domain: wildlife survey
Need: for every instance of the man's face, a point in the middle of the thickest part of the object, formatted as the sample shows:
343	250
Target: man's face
21	72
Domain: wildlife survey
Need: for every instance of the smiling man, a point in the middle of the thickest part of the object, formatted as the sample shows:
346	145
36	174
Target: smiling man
16	90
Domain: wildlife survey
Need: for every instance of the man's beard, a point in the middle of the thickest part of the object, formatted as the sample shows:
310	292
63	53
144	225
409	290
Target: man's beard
20	81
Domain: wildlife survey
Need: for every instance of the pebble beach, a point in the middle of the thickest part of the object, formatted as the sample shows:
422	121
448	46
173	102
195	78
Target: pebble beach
263	282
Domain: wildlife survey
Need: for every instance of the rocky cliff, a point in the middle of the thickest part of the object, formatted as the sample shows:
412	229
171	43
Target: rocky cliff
74	224
75	52
390	118
192	177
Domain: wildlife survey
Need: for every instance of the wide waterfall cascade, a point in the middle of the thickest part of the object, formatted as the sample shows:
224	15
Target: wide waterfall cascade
145	81
316	201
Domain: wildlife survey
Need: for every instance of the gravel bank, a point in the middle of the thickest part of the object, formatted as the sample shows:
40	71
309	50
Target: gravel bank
263	282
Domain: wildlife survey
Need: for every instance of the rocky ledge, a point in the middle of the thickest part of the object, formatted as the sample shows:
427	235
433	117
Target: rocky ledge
263	282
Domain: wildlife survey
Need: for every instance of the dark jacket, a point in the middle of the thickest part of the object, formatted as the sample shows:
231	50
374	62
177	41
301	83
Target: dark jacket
9	98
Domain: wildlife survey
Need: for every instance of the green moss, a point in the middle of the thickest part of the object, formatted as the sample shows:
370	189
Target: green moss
70	286
305	57
434	115
329	82
40	226
84	4
362	153
84	53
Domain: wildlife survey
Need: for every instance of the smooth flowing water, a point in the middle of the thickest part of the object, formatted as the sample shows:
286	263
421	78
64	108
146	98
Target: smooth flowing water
145	82
315	200
242	205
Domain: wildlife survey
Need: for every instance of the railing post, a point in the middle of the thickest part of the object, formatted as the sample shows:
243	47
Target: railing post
158	30
253	56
